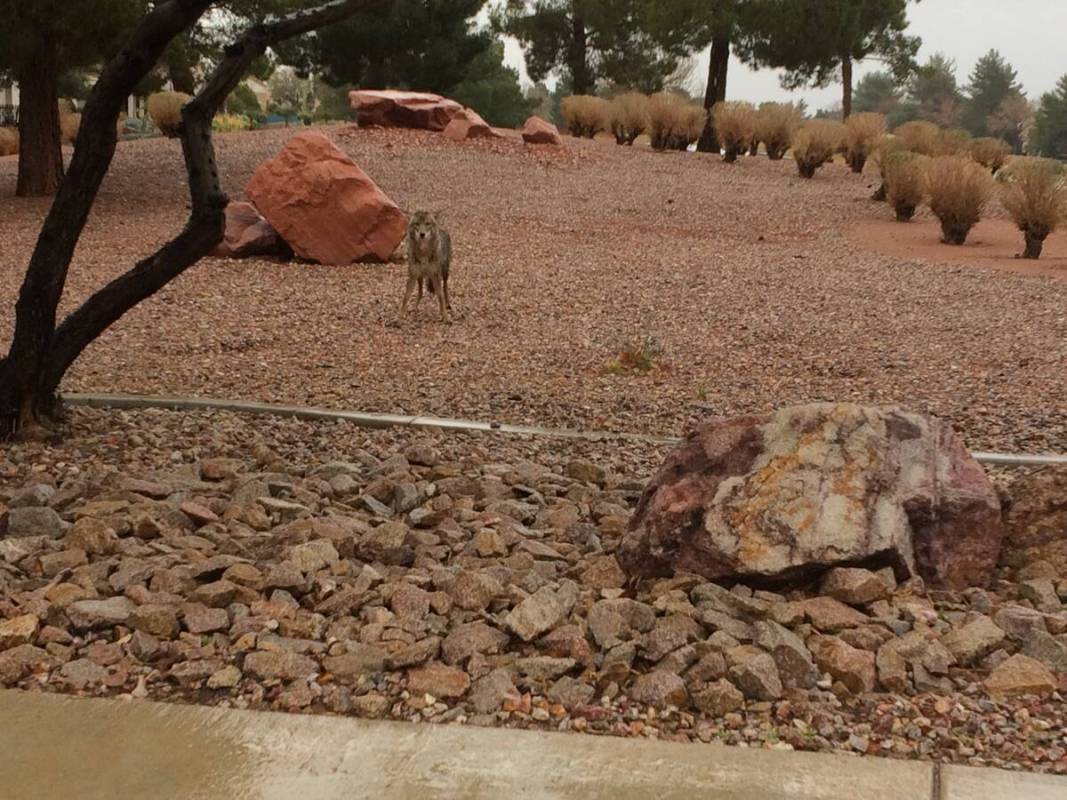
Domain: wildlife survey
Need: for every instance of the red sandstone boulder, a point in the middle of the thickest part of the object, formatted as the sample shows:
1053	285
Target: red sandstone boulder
538	131
247	234
403	109
784	496
324	206
469	125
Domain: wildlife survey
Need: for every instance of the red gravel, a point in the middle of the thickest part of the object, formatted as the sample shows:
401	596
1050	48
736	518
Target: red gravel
743	273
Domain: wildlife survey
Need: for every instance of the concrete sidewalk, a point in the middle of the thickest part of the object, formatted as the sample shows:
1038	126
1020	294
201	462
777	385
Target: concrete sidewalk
78	749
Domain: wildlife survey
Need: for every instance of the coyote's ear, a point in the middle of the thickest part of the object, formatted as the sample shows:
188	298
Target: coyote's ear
438	214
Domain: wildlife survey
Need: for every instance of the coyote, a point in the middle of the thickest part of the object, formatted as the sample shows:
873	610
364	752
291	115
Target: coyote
429	258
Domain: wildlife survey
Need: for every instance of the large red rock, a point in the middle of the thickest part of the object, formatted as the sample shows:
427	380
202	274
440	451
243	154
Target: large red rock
539	131
469	125
324	206
786	495
403	109
247	234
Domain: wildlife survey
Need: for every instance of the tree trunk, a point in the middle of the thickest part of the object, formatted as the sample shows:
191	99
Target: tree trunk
718	63
579	58
846	87
1035	242
40	354
40	154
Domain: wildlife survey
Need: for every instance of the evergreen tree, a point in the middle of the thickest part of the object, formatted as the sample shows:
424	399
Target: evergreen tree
933	90
879	92
493	90
1049	136
40	41
619	42
817	43
992	82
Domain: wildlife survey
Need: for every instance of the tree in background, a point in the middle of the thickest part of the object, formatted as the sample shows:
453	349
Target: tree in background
1012	121
879	92
1049	134
493	90
615	42
41	41
992	82
41	351
423	45
818	43
933	91
290	95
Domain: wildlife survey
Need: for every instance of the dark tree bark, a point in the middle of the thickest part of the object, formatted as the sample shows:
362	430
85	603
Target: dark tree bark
40	154
846	87
718	63
40	354
579	57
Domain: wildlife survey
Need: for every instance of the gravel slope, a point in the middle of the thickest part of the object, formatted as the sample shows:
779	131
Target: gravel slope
743	273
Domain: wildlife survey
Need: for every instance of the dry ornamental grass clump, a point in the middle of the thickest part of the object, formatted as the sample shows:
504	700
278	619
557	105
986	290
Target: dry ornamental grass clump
673	122
1034	193
629	117
9	141
775	125
905	181
165	109
585	114
921	137
989	152
735	127
815	143
880	153
958	190
955	142
862	133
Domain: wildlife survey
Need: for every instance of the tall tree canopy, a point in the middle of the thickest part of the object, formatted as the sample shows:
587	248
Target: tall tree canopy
933	91
618	42
992	82
817	43
425	45
40	41
1049	136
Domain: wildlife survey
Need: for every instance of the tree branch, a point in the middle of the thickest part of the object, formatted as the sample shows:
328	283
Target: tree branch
206	223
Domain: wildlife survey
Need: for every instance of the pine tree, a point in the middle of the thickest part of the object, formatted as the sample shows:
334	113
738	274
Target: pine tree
817	43
1049	136
933	90
991	82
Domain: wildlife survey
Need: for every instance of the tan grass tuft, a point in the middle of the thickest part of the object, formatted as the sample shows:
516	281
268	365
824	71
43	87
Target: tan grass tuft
1034	193
585	114
735	127
165	109
815	143
905	180
629	117
958	190
862	133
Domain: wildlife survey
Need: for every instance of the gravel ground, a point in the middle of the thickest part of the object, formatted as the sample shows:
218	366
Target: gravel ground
742	273
321	568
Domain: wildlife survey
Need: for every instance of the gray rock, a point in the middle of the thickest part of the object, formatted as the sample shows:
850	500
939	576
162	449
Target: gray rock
853	586
570	692
358	660
1042	593
463	641
796	667
974	641
88	614
34	521
279	665
660	689
541	612
489	693
719	698
1047	649
758	678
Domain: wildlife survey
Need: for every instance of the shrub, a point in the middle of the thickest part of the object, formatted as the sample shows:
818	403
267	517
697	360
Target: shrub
955	142
862	132
735	127
990	152
958	190
635	355
920	137
1034	192
9	141
673	122
165	109
629	117
230	123
775	124
585	114
905	180
69	123
815	143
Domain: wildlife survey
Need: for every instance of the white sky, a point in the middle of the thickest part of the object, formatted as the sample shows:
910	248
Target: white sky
1030	34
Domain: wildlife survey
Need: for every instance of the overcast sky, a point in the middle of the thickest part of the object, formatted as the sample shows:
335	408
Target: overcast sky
1030	34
